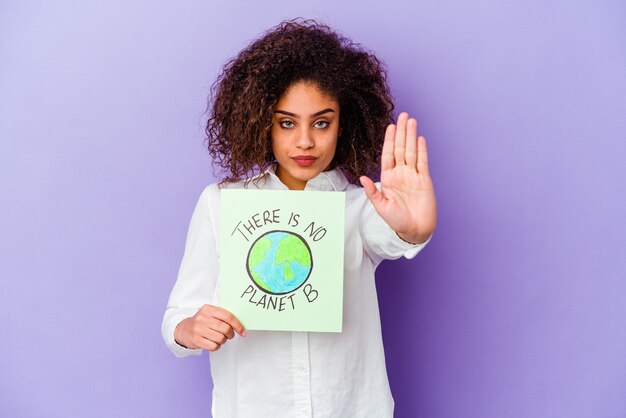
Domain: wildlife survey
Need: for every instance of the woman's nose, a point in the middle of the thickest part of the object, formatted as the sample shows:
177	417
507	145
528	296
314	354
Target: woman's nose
305	139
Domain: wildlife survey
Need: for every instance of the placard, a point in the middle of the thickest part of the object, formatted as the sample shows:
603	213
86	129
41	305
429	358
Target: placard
281	258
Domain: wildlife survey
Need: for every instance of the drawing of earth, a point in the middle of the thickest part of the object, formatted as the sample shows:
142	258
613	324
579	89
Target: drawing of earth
279	262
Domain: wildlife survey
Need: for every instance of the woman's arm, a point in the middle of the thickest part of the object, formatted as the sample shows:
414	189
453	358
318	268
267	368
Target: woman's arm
192	321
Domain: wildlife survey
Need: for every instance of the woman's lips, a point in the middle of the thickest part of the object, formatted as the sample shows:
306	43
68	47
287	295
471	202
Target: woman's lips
304	160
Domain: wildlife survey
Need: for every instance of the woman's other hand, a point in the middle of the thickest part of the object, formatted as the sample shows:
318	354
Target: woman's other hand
208	329
406	200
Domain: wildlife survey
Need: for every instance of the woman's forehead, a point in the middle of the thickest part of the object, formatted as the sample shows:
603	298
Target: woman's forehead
306	98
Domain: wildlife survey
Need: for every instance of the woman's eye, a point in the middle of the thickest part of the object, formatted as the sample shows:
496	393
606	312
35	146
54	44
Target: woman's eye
286	124
321	124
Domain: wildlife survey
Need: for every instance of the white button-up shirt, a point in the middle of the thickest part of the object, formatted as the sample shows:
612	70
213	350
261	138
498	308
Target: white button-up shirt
273	374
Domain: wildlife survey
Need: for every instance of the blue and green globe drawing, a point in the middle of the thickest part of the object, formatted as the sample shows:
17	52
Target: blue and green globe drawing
279	262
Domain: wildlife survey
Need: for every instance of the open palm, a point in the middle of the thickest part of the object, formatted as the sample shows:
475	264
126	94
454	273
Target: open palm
406	200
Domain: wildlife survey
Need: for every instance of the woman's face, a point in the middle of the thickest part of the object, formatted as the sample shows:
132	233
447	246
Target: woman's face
305	128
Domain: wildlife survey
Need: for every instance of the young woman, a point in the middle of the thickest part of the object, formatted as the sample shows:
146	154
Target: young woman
303	108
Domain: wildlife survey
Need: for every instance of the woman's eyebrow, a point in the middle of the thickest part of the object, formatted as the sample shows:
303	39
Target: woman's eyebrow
321	112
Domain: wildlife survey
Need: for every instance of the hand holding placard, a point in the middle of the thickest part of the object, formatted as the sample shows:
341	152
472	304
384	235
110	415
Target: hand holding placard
208	329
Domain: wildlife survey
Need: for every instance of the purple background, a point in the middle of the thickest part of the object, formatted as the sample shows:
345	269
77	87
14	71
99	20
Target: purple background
515	309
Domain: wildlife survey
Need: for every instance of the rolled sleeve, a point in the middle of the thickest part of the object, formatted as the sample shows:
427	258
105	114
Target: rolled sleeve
413	249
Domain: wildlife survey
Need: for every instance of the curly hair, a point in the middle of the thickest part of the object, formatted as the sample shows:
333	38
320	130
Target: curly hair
244	95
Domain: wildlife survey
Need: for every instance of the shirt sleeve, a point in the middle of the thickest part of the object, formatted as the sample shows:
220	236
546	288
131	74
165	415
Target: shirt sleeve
379	240
197	275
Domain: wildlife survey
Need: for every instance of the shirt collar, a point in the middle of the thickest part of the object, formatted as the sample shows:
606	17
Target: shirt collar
331	180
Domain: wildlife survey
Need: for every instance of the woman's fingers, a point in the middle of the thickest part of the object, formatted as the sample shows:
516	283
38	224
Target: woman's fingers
400	146
209	340
422	156
226	317
212	335
375	196
411	143
400	139
216	337
219	326
371	191
207	344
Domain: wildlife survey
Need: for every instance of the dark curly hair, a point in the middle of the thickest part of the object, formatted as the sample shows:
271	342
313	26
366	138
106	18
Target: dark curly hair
244	95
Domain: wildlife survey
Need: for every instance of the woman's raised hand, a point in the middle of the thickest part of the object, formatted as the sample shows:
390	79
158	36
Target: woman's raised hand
208	329
406	200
